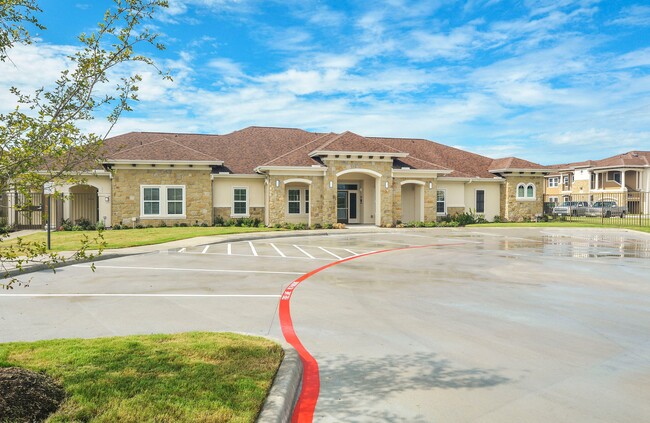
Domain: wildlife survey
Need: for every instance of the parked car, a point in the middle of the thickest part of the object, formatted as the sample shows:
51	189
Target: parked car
606	209
571	208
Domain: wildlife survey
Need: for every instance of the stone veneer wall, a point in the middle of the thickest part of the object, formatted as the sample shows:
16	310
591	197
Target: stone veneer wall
430	199
126	194
278	198
518	210
322	198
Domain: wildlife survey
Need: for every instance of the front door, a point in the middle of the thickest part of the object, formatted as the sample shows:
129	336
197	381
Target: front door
347	206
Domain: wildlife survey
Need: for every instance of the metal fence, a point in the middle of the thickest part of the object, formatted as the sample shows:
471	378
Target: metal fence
617	208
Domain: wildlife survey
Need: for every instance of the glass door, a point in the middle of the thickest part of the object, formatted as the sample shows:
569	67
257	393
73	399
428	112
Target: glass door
353	198
342	207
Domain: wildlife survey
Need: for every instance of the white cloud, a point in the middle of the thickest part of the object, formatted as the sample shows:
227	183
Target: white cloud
636	15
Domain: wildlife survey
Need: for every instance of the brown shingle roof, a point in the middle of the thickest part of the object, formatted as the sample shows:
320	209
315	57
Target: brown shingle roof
244	150
631	158
349	141
513	163
463	163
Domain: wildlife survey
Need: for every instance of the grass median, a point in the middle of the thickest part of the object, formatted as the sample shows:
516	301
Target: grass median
187	377
563	224
71	240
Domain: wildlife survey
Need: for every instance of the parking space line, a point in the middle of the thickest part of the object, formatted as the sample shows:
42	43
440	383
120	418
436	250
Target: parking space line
351	252
182	250
146	295
205	250
304	252
175	269
277	249
253	248
331	253
229	249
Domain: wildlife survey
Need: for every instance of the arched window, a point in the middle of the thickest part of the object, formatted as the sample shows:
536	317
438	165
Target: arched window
530	191
526	191
521	191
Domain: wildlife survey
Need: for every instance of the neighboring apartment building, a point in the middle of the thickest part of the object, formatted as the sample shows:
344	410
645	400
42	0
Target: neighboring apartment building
622	178
289	175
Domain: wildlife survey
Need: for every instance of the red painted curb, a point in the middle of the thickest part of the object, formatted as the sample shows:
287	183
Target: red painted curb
306	405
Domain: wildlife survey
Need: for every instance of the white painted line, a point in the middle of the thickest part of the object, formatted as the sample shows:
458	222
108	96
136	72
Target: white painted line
351	252
189	270
331	253
304	252
252	248
182	250
205	250
277	249
260	256
229	249
144	295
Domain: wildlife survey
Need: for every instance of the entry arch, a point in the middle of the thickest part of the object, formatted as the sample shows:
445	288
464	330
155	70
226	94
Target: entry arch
412	201
84	203
376	189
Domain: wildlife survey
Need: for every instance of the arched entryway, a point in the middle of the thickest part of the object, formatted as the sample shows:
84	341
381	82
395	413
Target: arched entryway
84	203
412	201
358	196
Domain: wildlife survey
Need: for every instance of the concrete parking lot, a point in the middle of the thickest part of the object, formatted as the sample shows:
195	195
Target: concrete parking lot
486	325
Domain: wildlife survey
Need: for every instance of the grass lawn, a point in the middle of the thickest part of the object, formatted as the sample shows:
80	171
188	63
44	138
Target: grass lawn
187	377
609	223
70	240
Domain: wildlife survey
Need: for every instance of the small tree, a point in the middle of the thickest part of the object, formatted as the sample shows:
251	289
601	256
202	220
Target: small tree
41	140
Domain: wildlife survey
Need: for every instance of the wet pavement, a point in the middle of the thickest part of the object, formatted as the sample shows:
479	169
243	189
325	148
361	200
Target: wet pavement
485	325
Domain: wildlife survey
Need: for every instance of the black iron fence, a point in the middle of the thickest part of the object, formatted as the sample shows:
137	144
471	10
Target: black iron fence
617	208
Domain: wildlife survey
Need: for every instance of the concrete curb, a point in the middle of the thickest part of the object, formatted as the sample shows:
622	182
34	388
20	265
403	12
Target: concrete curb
278	407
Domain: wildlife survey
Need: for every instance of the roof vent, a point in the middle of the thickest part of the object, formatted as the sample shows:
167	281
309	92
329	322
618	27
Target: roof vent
405	167
635	155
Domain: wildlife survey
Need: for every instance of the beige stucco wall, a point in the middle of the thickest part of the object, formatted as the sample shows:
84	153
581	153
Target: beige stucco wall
104	189
455	191
222	191
126	193
492	198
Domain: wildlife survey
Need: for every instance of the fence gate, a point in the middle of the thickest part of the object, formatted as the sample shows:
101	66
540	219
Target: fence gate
29	210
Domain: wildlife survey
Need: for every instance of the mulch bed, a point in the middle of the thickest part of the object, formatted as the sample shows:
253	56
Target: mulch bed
27	396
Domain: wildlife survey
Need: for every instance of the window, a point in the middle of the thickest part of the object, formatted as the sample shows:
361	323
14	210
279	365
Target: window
441	206
553	182
240	201
480	201
151	201
294	201
593	181
553	200
174	201
526	191
298	200
615	176
163	201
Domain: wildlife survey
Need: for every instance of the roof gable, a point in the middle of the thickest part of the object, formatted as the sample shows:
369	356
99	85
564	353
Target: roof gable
351	142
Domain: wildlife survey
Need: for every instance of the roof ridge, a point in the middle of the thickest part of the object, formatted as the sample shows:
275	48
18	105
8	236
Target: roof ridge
193	149
374	140
138	146
296	149
435	142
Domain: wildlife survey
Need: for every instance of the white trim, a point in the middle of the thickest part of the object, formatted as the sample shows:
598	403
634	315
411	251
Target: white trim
524	170
364	171
292	170
412	181
386	155
237	175
297	181
445	195
497	179
174	162
163	202
419	173
232	207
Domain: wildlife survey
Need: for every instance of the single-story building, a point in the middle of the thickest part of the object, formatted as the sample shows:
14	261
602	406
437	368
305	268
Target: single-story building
290	175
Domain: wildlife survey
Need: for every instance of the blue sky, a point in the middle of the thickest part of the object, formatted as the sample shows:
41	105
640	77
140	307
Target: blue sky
550	81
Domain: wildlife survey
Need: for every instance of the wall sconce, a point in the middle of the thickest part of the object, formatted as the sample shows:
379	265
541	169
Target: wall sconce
277	183
331	184
430	185
107	199
386	184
